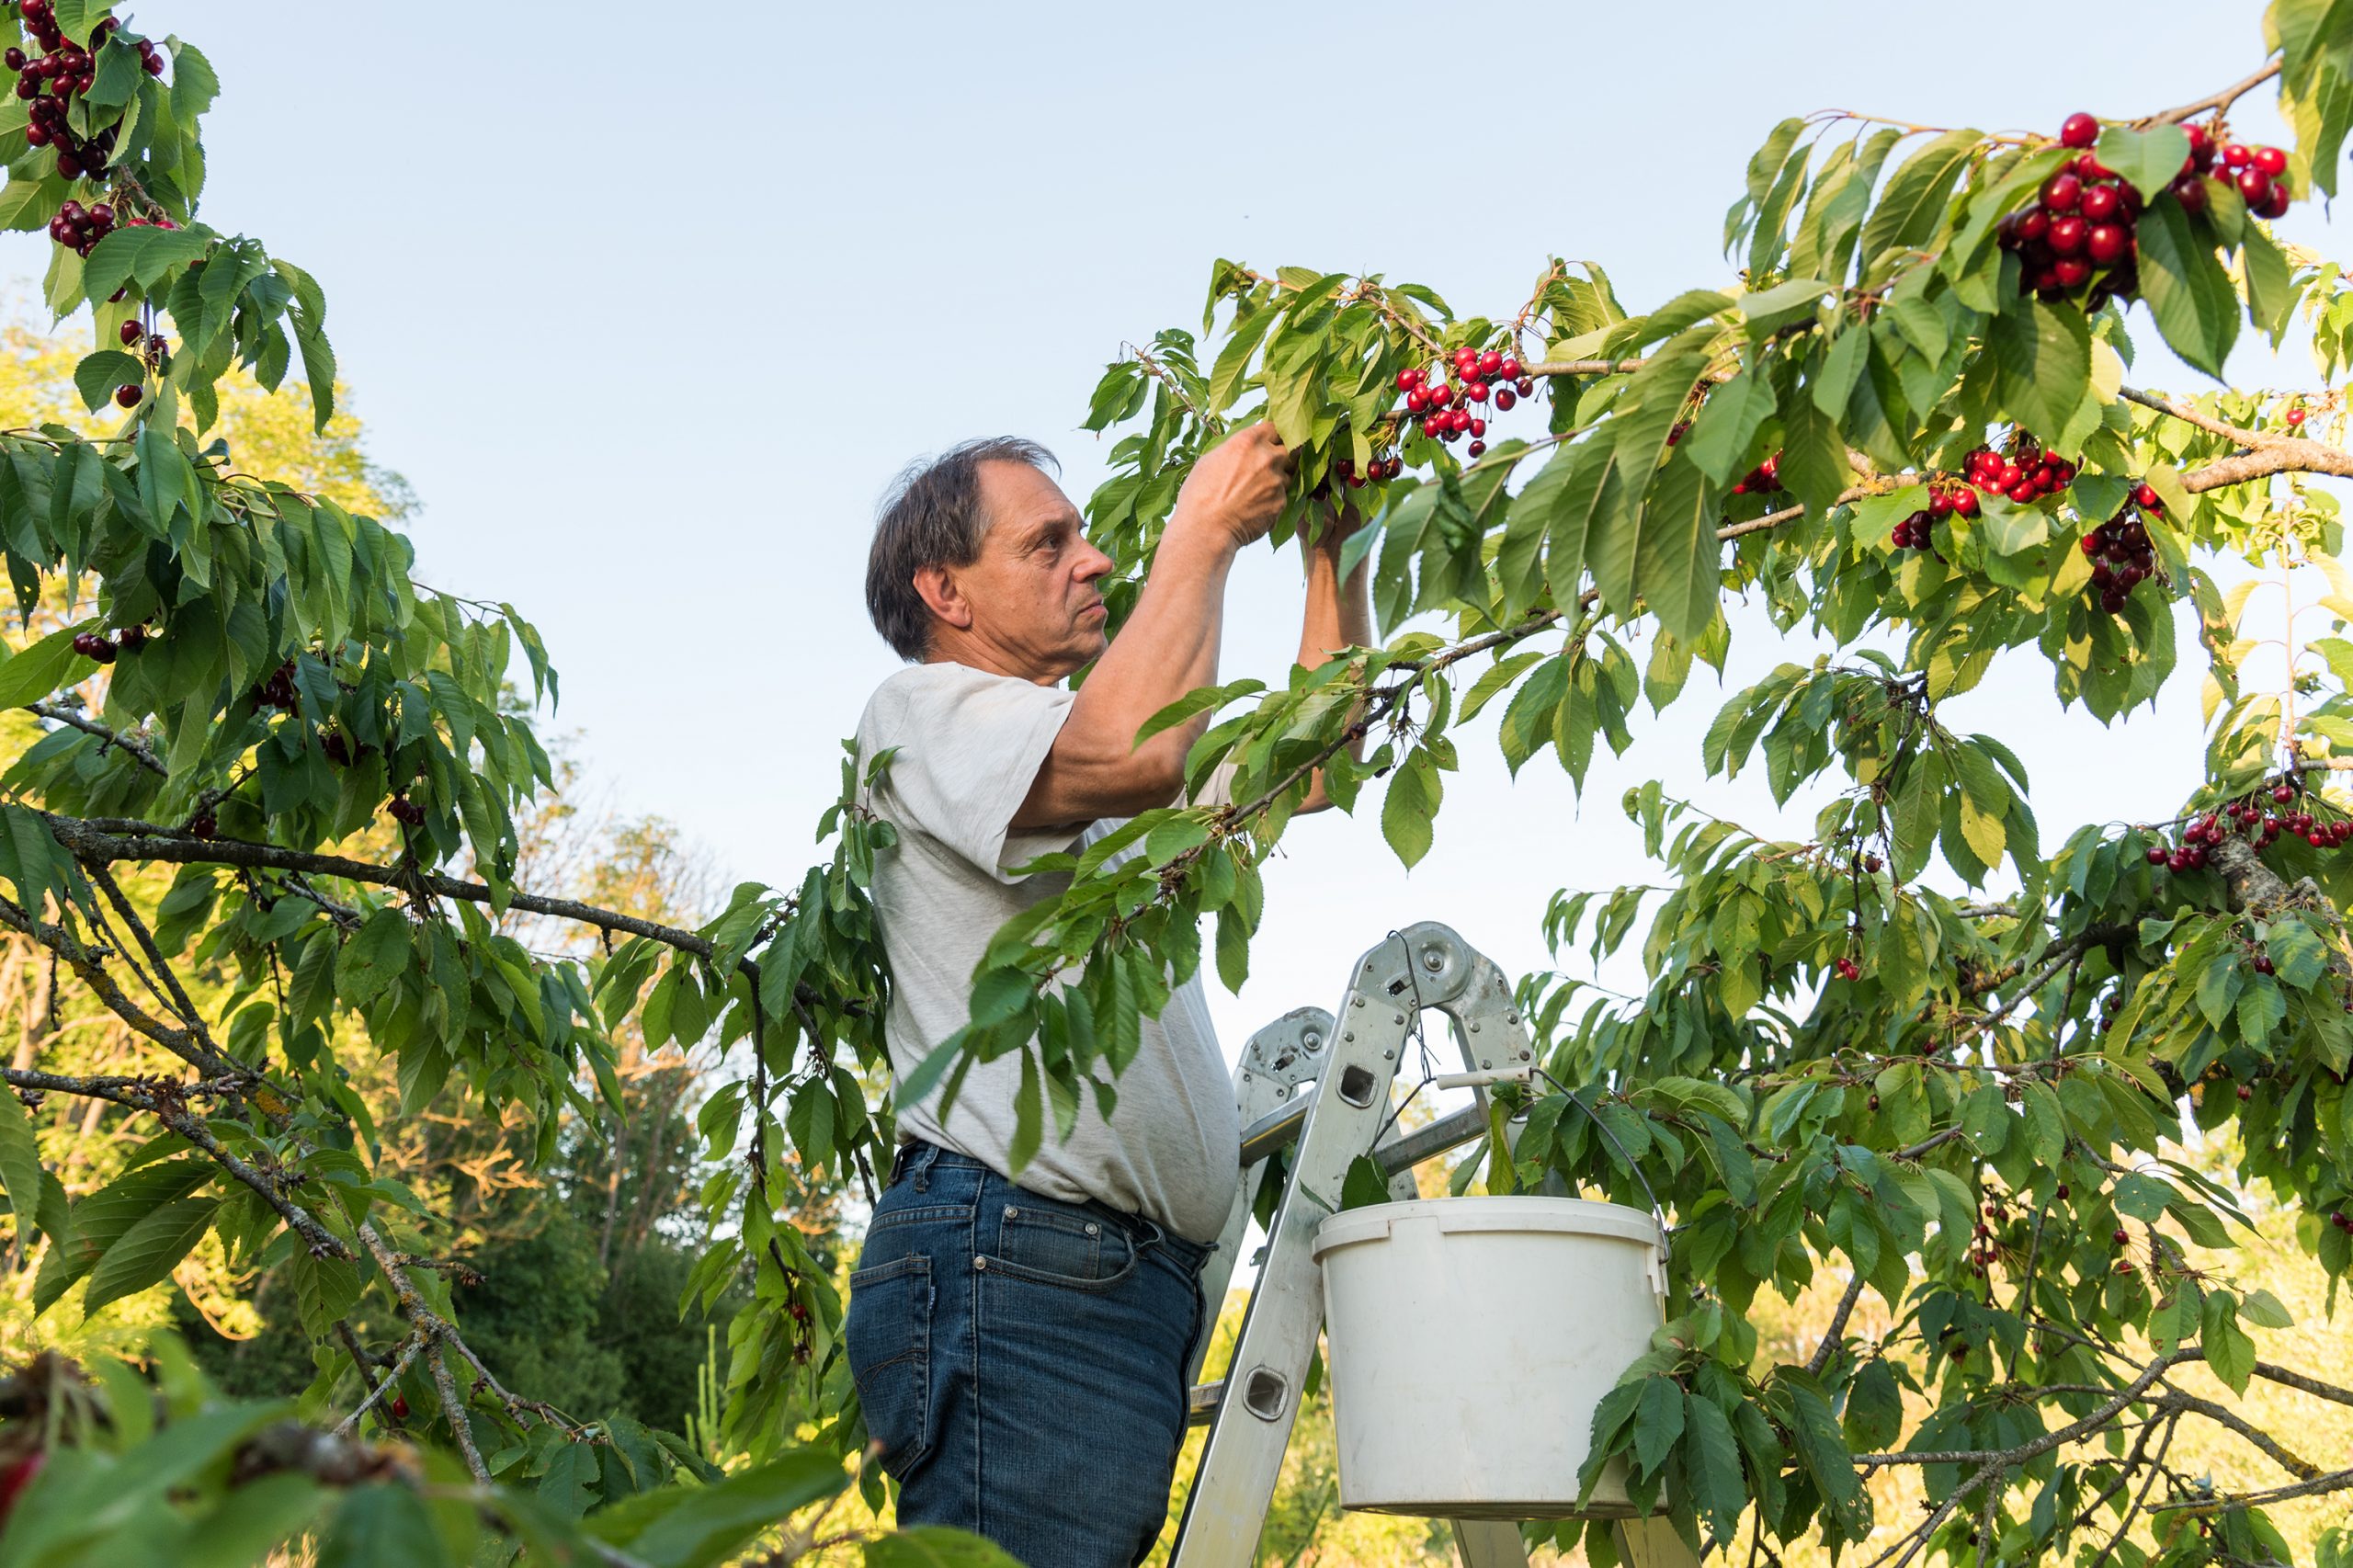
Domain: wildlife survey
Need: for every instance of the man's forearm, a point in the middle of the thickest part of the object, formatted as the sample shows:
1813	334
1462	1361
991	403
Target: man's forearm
1167	647
1338	615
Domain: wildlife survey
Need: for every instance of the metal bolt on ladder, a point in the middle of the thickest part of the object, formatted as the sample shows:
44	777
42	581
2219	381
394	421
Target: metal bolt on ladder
1324	1082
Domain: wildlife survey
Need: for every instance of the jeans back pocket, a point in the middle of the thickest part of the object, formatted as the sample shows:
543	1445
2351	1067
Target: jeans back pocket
887	1335
1060	1246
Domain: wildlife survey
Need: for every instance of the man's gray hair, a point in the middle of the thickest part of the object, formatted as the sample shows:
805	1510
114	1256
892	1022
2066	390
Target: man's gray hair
933	516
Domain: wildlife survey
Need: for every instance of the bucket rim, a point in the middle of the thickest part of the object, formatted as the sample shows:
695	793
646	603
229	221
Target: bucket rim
1489	1212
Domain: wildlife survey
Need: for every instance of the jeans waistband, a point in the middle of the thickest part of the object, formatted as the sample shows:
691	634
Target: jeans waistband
920	1157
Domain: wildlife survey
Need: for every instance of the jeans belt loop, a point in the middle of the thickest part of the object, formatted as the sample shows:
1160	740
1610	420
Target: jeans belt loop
925	1154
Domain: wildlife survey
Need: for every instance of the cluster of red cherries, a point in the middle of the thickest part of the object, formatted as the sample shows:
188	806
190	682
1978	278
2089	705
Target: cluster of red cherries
2082	221
1379	470
403	810
67	69
1846	969
2028	474
278	692
2123	557
2248	817
1447	410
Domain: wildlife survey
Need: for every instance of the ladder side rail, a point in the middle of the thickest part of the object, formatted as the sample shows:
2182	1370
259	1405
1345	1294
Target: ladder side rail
1277	1069
1235	1480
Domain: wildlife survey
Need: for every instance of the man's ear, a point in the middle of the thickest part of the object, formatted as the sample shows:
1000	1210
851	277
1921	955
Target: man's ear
943	595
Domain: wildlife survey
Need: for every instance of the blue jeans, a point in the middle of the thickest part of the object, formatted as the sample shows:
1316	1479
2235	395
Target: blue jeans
1022	1363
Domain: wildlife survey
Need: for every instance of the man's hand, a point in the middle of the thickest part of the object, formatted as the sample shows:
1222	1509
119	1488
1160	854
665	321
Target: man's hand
1238	488
1336	518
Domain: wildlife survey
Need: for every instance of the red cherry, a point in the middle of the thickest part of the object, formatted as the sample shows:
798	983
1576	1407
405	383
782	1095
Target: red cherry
1441	394
2276	204
1417	400
2145	497
1490	364
2157	854
132	331
1510	369
1476	449
1525	385
1478	426
2236	156
2061	191
18	1475
1966	501
2106	242
128	394
1476	392
1506	397
2078	130
2271	161
2067	235
2295	417
1407	380
2100	202
2255	185
2069	270
153	65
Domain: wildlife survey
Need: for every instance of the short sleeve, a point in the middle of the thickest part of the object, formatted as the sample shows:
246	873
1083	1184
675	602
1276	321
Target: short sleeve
968	747
1217	789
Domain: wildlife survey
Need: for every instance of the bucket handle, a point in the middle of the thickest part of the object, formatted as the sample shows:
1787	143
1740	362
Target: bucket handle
1658	1211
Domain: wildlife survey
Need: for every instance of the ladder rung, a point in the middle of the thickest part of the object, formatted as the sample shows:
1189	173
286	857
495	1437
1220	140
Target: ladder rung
1277	1128
1449	1131
1201	1405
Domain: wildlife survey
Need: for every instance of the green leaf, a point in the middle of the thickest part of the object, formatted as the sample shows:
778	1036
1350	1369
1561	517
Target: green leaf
931	1546
1366	1183
1658	1422
370	960
2298	955
1717	443
1918	194
696	1527
2261	1009
1711	1465
19	1162
1411	804
2270	284
42	668
385	1525
1680	557
98	374
143	256
2150	159
2188	291
2043	354
1201	700
147	1253
2229	1350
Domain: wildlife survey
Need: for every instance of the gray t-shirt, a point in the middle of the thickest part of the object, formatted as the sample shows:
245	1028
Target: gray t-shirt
969	748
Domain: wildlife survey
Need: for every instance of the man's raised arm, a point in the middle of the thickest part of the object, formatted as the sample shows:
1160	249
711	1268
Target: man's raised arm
1167	647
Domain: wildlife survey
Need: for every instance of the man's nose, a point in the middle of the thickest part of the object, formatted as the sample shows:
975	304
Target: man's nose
1092	564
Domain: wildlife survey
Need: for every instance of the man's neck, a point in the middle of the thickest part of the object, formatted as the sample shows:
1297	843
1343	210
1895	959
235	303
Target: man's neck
976	654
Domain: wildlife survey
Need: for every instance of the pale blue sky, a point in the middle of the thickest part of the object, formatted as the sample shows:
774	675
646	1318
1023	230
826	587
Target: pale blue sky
650	321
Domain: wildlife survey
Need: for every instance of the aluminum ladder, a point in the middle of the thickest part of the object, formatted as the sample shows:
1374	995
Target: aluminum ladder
1324	1082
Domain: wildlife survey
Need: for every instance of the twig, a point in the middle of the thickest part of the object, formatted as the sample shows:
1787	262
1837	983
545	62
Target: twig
410	1350
2222	100
131	744
455	1409
1836	1327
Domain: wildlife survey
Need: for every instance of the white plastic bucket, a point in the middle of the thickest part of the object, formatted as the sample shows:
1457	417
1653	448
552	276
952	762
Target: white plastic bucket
1468	1341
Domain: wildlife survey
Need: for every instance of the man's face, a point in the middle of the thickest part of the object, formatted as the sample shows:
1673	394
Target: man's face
1031	594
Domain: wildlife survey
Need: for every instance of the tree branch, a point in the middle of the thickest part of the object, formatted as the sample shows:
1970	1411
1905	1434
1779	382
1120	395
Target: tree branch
2222	99
134	744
